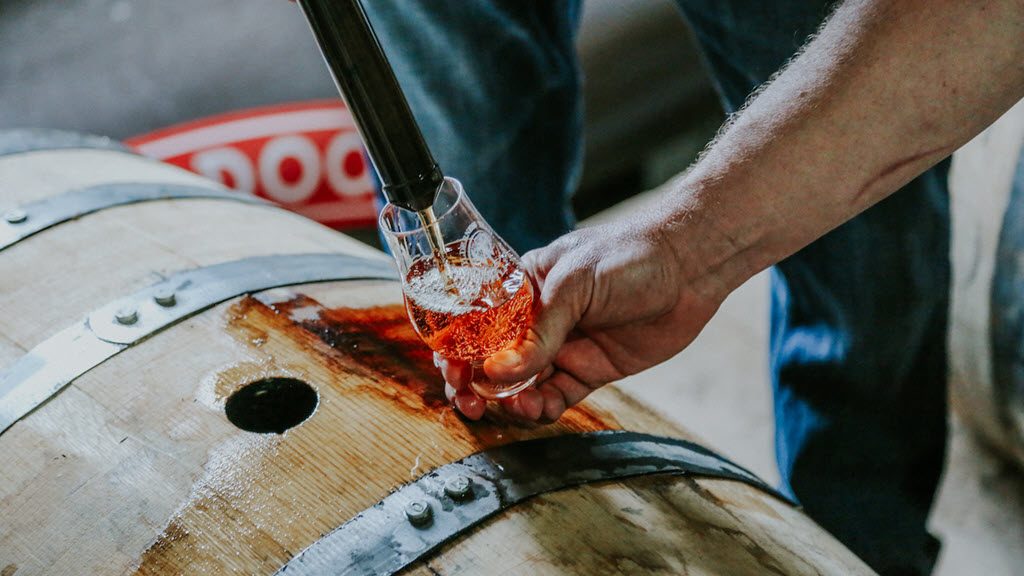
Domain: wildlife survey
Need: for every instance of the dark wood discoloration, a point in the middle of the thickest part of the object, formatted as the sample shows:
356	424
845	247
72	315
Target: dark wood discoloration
380	342
346	353
380	338
153	559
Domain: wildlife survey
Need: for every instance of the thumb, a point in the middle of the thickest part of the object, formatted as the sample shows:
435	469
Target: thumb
560	308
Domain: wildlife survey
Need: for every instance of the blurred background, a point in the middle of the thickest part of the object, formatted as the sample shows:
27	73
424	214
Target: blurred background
126	69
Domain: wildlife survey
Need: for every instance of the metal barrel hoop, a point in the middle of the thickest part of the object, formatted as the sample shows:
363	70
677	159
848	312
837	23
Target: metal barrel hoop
50	366
421	516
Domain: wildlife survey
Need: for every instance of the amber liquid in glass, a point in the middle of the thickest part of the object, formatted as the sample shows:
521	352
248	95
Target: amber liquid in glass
490	310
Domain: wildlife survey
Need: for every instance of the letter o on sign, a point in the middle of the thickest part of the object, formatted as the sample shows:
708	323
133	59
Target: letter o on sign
297	152
347	171
228	166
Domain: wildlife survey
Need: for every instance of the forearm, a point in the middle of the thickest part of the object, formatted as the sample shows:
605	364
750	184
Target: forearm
887	89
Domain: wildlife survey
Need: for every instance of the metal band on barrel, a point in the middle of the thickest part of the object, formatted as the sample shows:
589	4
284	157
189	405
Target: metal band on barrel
19	141
53	364
28	219
419	517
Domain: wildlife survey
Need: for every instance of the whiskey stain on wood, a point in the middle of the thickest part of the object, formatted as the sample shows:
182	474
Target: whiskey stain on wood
381	341
380	338
157	558
345	353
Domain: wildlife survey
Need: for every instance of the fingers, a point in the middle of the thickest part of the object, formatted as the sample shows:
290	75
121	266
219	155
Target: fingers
561	304
538	262
536	350
544	403
457	376
465	401
526	406
548	400
563	276
455	372
572	390
554	403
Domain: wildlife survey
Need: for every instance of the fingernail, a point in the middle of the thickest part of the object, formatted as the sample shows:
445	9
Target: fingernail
507	358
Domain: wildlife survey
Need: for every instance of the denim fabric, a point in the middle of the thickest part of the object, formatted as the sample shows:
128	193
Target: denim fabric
495	88
858	340
858	318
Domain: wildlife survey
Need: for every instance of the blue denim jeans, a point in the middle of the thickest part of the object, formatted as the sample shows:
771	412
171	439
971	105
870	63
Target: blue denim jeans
858	354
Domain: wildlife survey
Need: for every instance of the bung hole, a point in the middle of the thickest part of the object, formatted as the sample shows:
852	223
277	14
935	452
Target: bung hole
271	405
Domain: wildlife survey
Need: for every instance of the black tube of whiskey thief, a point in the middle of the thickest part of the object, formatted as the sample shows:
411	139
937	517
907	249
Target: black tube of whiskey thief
410	175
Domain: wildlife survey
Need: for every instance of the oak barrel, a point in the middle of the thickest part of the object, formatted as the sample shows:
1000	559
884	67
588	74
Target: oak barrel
987	312
233	438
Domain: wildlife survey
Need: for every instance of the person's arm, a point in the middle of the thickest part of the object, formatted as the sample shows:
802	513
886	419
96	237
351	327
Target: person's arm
884	91
887	89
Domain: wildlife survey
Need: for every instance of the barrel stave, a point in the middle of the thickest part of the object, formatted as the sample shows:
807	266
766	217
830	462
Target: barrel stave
653	525
60	275
33	176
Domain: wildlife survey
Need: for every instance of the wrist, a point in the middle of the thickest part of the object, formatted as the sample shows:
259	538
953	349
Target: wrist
718	242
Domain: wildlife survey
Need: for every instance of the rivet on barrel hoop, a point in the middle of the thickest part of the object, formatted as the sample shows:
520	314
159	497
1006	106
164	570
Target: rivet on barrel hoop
127	316
165	297
15	216
459	488
418	512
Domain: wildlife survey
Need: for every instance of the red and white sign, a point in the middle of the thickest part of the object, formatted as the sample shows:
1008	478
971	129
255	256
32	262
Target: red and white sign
305	156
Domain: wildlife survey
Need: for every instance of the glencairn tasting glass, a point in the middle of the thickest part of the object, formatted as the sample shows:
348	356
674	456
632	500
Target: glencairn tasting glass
464	287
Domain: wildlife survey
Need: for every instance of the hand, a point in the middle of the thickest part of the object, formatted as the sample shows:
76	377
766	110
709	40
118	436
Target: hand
613	300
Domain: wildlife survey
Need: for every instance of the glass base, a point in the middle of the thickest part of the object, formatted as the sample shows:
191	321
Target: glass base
489	390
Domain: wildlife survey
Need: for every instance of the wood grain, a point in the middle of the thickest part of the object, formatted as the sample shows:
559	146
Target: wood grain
134	467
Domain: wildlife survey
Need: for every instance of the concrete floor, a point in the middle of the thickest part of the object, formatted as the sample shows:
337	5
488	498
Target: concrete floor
718	388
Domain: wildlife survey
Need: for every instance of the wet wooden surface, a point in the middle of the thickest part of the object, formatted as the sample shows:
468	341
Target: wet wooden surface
135	468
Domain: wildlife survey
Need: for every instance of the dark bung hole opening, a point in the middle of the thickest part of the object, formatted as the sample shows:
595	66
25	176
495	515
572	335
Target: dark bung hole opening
271	405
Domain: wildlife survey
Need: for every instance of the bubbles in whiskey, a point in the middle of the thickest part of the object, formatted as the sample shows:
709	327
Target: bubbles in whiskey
490	310
437	246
